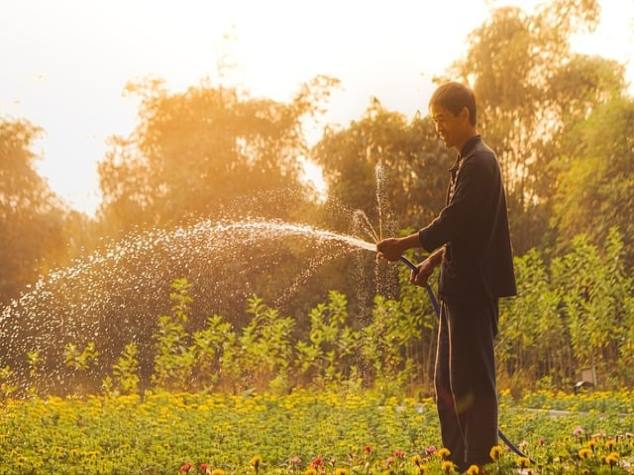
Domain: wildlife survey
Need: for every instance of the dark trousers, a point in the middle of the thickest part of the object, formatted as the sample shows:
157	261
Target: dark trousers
465	381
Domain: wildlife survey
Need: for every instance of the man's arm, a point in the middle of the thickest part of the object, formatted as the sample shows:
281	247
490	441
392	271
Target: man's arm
471	185
436	257
425	269
471	189
393	248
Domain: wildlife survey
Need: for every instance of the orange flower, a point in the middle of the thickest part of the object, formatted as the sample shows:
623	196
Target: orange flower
496	452
185	468
444	453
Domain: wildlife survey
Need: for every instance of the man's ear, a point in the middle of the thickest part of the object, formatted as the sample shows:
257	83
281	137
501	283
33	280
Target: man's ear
464	114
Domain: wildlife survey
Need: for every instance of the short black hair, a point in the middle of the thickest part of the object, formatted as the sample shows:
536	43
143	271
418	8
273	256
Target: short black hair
454	97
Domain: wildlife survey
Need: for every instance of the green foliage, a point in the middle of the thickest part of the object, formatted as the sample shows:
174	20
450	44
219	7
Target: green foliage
386	341
260	355
267	354
266	351
577	313
174	360
626	350
125	370
80	360
215	350
8	382
572	313
34	360
595	189
329	355
594	290
531	330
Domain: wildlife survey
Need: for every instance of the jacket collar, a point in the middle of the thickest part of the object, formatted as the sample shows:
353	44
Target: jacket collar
469	145
467	148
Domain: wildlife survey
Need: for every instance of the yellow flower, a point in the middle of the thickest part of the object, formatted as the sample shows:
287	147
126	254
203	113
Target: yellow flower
310	471
218	471
523	462
447	466
592	444
585	453
473	470
496	452
612	459
256	461
341	471
417	460
444	453
610	444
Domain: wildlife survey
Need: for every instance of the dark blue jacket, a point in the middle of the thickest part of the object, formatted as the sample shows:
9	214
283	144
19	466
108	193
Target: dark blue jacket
478	258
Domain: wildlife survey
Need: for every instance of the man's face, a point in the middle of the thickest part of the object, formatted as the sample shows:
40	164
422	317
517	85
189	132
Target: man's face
449	127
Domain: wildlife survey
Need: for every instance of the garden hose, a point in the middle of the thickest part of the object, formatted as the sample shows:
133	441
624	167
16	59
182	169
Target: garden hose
434	303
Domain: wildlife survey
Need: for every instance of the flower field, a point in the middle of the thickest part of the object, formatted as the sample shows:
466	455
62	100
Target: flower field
331	431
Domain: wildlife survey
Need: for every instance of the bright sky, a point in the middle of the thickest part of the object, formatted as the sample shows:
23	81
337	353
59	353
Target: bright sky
65	63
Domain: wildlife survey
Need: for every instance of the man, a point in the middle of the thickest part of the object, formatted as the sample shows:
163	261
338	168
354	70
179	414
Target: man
470	241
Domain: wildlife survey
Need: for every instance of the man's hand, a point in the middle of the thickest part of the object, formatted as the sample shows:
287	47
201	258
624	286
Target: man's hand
425	270
390	249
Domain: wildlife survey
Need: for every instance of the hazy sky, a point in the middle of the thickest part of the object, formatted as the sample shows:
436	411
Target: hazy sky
65	63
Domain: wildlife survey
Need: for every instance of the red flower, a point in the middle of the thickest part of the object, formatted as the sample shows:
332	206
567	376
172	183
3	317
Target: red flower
367	449
399	453
185	468
317	462
204	468
430	450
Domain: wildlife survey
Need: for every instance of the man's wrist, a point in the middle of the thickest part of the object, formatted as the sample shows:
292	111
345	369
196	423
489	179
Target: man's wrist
409	242
436	257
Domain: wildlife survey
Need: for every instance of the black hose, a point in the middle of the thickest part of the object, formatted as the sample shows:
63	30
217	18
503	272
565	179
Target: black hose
434	303
430	292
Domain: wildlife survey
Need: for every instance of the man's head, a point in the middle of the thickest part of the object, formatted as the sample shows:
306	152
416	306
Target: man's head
453	110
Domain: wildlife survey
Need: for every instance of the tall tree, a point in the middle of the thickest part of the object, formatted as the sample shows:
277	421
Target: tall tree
596	190
194	153
413	173
31	216
530	88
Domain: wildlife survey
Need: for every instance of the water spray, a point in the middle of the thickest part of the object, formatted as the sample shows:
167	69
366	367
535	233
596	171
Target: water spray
434	303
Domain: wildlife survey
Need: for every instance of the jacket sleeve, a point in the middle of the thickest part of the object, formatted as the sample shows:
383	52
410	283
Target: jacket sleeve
472	182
